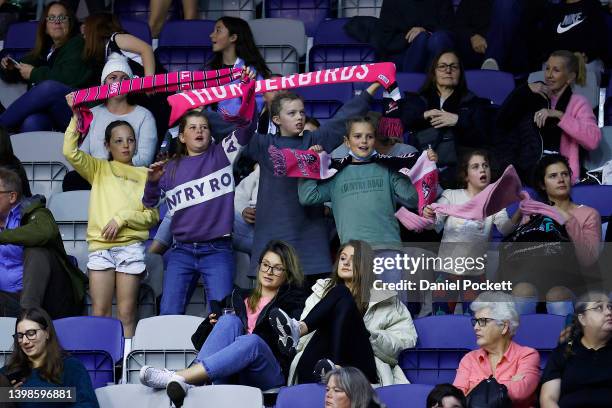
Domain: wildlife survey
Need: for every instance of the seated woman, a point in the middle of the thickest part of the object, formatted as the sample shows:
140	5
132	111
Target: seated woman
444	104
466	238
346	322
582	228
38	361
564	121
241	344
578	373
517	367
347	387
446	396
55	67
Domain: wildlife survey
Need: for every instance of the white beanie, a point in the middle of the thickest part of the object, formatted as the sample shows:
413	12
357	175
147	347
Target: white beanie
116	62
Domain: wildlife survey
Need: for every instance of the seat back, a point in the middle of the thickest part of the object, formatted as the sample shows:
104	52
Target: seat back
137	28
541	332
322	102
7	329
265	31
19	40
91	333
333	48
70	210
351	8
492	85
603	153
301	396
590	90
224	396
214	9
309	12
139	10
596	196
131	395
185	45
410	81
395	396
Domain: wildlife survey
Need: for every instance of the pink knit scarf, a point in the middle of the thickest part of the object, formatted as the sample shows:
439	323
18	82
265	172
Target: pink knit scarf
383	72
489	201
170	82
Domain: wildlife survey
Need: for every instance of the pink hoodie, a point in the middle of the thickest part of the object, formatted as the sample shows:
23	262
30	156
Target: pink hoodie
579	127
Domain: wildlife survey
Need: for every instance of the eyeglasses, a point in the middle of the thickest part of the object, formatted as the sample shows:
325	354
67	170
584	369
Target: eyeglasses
30	334
267	268
57	19
482	321
600	308
445	67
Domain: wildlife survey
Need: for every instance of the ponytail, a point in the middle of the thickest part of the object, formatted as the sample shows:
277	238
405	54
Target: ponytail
581	72
574	63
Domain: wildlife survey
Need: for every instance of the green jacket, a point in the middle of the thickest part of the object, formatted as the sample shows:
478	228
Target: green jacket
363	197
65	66
38	229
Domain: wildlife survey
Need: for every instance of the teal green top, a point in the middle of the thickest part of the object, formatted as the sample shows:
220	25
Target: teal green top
74	375
363	201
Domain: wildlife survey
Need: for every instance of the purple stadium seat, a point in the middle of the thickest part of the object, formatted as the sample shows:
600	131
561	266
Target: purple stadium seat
96	341
493	85
137	28
301	396
540	331
20	39
332	47
139	10
596	196
310	12
442	342
185	45
322	102
396	396
410	81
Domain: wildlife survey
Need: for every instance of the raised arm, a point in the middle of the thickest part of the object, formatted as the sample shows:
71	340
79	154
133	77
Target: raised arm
128	42
82	162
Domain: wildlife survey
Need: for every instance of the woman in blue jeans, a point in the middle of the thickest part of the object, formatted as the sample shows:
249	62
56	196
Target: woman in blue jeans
241	346
55	67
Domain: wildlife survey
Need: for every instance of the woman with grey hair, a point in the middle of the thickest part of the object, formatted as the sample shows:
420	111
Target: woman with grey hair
347	387
517	367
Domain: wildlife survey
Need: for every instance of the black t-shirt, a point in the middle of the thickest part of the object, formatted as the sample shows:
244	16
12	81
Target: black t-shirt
586	376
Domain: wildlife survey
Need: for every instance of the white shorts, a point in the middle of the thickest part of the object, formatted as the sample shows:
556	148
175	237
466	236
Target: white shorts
125	259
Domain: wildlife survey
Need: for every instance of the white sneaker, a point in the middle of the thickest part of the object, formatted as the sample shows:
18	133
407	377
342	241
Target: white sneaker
287	329
490	64
156	377
177	390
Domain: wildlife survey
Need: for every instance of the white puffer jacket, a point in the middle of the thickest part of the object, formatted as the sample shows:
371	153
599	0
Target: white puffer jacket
391	331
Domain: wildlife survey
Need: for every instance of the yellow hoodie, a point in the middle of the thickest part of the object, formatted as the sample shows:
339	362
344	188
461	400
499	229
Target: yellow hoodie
116	193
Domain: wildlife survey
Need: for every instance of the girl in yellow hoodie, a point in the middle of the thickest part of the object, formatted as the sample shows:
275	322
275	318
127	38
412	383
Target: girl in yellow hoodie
118	222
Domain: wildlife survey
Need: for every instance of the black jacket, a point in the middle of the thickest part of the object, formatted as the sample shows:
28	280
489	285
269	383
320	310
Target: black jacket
290	299
475	115
473	17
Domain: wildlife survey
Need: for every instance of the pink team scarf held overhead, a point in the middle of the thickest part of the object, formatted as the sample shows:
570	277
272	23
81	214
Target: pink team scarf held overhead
491	200
383	72
170	82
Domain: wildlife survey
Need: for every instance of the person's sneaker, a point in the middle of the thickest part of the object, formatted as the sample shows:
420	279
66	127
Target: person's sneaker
177	390
287	328
490	64
155	377
323	367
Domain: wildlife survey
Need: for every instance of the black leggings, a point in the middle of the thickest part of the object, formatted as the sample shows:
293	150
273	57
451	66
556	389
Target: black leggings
340	336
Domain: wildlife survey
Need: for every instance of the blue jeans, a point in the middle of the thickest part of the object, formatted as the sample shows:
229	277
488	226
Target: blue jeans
243	234
419	54
227	351
213	260
41	108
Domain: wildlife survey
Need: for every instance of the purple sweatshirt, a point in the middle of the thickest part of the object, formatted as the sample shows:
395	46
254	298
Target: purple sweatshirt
199	190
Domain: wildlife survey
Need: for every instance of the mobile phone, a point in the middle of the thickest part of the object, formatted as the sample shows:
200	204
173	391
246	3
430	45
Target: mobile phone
16	376
14	61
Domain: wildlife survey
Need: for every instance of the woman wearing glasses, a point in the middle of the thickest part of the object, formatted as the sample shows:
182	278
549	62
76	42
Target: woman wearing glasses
38	361
55	68
445	103
578	373
517	367
237	343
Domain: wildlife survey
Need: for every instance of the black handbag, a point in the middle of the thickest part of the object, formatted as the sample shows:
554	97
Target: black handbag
489	394
441	140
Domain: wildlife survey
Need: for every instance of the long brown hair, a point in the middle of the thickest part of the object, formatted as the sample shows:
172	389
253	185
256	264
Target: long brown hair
462	170
181	148
53	366
430	80
363	277
43	41
98	29
293	270
576	331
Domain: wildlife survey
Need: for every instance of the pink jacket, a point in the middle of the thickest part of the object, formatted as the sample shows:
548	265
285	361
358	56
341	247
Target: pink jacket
579	127
584	229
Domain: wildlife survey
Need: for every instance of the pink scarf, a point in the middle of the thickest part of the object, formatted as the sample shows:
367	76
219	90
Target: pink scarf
489	201
383	72
301	163
170	82
424	177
